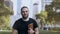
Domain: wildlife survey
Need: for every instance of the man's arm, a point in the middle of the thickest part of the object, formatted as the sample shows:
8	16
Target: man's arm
30	31
14	31
36	31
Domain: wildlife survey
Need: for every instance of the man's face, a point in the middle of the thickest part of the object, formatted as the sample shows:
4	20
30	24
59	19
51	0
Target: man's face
25	13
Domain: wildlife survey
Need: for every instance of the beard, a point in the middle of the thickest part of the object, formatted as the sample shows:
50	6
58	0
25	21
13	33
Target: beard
25	17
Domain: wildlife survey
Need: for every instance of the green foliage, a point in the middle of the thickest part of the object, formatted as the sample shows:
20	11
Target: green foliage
5	13
56	29
48	16
38	16
42	16
55	3
51	13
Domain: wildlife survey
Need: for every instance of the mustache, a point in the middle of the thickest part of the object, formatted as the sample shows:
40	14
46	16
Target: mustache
25	17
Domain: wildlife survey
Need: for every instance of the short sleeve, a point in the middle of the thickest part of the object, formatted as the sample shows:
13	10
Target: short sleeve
35	24
15	25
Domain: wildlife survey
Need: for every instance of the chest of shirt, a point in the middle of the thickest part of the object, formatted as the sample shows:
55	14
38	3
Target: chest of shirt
23	25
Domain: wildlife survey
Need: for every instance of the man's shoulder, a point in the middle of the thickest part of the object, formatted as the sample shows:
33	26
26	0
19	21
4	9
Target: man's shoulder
32	19
19	19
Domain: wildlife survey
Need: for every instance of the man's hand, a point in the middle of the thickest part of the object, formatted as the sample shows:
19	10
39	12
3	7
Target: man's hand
14	31
30	31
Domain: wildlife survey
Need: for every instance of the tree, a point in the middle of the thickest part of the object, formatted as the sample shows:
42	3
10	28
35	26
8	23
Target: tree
5	13
42	16
52	13
48	16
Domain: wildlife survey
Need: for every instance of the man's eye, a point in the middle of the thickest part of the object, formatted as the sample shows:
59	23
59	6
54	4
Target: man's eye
26	11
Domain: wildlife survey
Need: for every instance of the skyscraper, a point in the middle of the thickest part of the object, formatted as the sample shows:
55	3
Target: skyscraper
45	2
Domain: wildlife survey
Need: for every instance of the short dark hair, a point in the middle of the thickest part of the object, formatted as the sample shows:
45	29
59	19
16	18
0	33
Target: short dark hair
24	7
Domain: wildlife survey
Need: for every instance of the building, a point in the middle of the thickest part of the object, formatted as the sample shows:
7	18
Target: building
45	2
35	9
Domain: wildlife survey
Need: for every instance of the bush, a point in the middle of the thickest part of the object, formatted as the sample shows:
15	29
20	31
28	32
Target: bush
56	29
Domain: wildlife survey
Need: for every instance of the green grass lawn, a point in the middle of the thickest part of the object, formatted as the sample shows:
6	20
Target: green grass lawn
5	32
41	32
49	32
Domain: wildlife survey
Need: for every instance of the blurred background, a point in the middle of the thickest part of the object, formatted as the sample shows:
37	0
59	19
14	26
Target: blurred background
45	12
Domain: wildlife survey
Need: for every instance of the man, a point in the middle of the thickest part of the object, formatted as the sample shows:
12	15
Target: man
21	25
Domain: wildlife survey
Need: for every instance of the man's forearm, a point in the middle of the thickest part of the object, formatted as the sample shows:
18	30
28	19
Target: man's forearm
36	31
14	31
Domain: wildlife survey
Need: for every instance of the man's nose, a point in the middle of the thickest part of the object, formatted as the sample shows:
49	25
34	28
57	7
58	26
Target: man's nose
25	12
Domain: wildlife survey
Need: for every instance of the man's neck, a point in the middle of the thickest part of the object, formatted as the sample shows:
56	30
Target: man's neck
26	19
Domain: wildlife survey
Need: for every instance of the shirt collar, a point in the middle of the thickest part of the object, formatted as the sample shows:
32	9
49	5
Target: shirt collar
25	19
